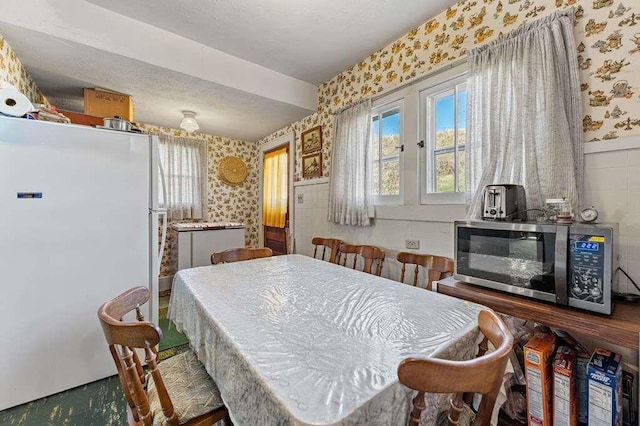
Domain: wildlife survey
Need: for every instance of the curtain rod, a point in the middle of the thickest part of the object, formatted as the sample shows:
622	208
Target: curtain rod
407	83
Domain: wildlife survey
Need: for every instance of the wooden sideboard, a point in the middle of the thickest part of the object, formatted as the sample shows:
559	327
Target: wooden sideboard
621	328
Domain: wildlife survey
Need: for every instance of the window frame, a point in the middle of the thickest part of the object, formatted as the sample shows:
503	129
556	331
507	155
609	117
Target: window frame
379	108
427	90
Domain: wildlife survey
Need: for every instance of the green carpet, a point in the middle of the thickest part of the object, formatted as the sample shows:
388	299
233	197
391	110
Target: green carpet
171	337
96	404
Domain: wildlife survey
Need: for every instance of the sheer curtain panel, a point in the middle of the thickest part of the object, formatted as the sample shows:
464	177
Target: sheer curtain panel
350	185
524	114
274	188
184	164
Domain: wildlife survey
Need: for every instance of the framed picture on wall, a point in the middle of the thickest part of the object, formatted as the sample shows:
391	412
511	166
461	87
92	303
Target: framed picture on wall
312	165
312	140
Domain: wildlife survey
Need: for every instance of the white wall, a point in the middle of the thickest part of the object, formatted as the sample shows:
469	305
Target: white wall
612	185
389	232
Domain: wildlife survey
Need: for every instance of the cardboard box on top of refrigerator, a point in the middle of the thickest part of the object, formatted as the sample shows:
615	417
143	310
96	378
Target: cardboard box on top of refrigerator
105	103
538	357
605	388
565	396
582	361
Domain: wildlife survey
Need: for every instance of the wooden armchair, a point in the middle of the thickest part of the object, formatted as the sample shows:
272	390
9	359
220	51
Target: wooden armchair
177	390
332	244
372	256
437	267
239	254
481	375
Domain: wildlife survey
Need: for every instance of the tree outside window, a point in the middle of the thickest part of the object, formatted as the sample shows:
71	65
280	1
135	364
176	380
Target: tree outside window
386	146
447	136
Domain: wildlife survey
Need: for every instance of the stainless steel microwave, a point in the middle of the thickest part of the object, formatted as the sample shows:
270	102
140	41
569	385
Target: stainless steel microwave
572	265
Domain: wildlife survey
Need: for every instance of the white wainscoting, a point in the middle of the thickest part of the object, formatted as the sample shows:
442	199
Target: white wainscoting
612	185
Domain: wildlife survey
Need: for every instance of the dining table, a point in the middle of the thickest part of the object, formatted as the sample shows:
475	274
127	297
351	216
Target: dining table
293	340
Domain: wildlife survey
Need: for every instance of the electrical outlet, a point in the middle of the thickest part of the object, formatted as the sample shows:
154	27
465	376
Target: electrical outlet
412	244
300	198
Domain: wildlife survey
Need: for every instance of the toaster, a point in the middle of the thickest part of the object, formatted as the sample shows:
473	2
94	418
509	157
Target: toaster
504	202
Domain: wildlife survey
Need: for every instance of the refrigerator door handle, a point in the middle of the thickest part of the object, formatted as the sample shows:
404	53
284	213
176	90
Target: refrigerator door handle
163	184
162	213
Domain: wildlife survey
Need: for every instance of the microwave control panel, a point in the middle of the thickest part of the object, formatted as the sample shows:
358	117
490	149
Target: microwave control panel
586	268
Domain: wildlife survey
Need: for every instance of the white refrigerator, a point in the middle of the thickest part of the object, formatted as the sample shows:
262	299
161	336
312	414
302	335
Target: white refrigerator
79	223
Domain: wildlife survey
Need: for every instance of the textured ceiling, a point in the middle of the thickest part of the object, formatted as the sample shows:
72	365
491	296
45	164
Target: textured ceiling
247	67
159	94
312	40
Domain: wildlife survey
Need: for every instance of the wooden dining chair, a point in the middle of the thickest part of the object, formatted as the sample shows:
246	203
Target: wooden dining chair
482	375
333	244
346	251
372	257
239	254
437	267
177	390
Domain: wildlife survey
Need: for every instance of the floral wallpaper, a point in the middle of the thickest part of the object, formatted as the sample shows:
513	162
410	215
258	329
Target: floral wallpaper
17	75
321	118
608	51
225	203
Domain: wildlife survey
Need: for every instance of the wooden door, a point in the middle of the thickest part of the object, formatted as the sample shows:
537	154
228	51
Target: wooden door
276	239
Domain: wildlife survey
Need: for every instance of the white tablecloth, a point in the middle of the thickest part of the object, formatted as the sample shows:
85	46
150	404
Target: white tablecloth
295	340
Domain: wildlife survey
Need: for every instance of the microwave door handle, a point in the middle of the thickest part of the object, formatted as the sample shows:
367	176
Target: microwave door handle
561	264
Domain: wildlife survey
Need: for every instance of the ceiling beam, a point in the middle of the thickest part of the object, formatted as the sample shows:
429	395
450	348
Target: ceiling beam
84	23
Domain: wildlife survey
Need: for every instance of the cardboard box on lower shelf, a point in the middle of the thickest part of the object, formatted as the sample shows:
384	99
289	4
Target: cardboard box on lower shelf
565	395
605	388
538	355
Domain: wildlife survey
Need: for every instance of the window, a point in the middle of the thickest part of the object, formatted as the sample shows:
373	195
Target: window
183	162
443	132
418	136
386	146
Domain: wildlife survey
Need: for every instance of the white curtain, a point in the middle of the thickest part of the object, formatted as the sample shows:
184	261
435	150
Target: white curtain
524	114
184	163
350	185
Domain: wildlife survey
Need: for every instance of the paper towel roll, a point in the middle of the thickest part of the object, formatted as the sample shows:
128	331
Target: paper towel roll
12	102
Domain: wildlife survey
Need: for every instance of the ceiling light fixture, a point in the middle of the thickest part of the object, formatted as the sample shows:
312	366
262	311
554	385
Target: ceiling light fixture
189	122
